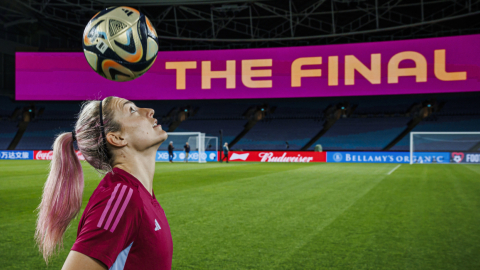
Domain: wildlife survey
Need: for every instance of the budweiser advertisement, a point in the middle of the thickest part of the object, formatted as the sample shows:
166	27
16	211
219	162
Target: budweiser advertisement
47	155
277	156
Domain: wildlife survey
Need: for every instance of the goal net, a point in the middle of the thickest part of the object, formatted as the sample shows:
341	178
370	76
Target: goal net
198	142
211	143
444	147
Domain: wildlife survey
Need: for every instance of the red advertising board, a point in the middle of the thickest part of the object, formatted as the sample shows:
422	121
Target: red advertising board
277	156
47	155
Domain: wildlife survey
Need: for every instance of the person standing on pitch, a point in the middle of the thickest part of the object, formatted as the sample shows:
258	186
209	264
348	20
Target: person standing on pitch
123	226
186	147
170	152
225	151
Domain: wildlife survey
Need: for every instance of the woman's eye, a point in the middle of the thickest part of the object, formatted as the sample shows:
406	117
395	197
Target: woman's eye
132	110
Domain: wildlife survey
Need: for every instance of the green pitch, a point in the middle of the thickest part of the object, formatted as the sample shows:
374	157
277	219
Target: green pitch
283	216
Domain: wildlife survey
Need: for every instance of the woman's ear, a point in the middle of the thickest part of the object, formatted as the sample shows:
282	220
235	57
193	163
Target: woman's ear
115	139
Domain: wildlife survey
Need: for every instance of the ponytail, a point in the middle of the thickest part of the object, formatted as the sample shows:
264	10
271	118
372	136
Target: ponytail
62	196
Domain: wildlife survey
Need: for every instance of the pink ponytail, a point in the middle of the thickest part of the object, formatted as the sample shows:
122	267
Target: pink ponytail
62	196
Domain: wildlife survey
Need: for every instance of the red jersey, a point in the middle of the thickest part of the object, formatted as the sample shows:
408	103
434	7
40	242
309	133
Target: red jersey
124	226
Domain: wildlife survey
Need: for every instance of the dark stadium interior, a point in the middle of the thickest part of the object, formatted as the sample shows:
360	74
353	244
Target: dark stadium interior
365	123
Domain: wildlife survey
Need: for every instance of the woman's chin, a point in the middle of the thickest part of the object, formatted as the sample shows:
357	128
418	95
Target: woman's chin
163	137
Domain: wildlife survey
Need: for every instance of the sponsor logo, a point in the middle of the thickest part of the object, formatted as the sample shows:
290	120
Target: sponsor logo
337	157
236	156
44	155
430	158
162	155
472	158
462	157
270	157
48	155
8	154
457	156
388	157
208	156
157	226
278	156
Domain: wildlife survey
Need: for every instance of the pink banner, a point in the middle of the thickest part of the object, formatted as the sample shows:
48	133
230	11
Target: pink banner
435	65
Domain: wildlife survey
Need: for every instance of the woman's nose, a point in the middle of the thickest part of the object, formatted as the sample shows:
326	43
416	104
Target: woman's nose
150	112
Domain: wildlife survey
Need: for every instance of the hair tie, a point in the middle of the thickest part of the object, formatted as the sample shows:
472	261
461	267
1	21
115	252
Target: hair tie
74	137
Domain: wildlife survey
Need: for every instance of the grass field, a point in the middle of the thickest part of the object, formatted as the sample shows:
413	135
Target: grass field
282	216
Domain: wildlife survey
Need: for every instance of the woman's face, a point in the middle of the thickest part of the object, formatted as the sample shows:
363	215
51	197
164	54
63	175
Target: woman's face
139	128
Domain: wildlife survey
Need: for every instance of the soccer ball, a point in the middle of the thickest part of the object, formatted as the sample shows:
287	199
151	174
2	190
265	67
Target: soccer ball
120	43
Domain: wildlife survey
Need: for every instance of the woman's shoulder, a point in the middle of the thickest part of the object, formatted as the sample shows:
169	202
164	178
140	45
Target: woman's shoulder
116	189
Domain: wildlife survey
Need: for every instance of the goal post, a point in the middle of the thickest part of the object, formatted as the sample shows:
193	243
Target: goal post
444	147
211	143
199	144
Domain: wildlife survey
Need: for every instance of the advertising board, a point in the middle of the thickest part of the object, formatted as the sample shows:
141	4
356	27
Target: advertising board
277	156
179	156
48	154
16	154
285	156
161	155
387	157
465	157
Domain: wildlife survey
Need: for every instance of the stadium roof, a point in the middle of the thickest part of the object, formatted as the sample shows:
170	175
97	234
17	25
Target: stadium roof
168	2
220	24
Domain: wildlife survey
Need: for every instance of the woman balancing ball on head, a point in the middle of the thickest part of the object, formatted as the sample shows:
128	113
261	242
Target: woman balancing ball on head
123	225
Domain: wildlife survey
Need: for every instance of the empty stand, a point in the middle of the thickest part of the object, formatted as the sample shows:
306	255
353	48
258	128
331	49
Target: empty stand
41	134
8	131
375	122
362	133
296	132
443	123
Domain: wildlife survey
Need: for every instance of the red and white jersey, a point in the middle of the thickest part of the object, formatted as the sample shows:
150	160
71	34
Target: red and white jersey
124	226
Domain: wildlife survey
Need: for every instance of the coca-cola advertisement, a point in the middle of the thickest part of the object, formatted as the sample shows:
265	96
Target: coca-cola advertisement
48	154
277	156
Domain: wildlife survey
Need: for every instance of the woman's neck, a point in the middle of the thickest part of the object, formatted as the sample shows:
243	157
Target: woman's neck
140	165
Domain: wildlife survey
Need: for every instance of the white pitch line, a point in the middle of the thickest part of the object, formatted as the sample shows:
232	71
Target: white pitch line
394	169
